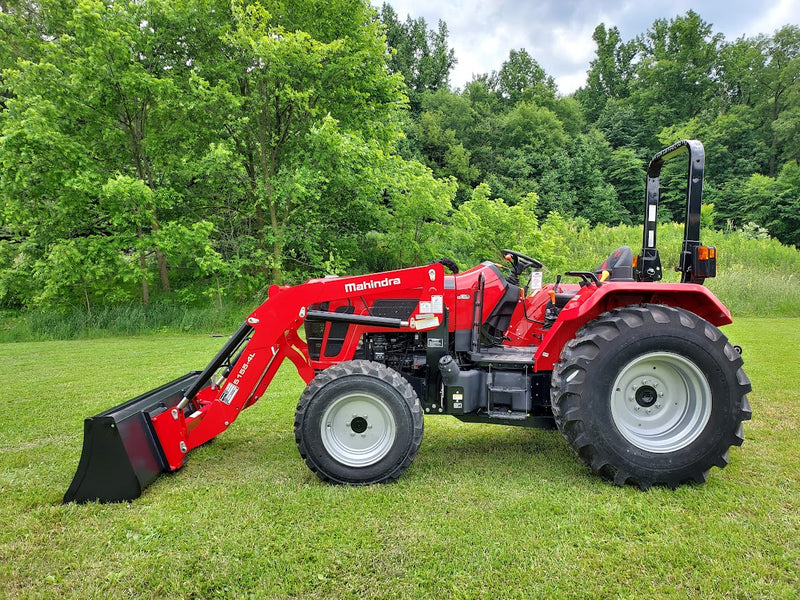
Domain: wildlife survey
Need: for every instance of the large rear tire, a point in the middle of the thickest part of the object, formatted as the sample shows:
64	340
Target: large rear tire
358	423
650	395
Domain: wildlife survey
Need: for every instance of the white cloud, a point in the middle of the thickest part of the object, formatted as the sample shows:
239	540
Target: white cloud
558	33
783	13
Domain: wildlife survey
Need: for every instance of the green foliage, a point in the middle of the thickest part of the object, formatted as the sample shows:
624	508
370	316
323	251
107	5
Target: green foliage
146	158
483	226
122	318
784	220
675	77
418	207
522	79
420	54
610	72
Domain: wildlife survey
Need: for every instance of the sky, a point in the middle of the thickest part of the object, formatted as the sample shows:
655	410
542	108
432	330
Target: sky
558	33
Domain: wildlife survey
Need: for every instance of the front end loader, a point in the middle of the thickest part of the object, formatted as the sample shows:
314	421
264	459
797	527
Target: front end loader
634	373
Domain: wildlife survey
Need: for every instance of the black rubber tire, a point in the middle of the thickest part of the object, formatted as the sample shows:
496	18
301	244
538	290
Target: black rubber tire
389	403
600	356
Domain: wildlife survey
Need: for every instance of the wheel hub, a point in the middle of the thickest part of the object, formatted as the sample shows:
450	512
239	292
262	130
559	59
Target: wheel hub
660	402
646	396
358	429
359	424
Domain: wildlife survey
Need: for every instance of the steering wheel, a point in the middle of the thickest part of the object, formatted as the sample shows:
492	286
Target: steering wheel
519	263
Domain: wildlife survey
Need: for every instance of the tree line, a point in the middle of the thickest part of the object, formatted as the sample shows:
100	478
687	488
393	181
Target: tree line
204	149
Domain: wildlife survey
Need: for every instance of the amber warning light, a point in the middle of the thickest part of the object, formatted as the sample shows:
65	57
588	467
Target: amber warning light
705	262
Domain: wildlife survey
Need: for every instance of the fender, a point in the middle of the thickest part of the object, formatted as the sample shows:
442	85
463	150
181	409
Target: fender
592	301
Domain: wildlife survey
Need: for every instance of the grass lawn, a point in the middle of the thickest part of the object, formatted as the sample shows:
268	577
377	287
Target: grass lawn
484	512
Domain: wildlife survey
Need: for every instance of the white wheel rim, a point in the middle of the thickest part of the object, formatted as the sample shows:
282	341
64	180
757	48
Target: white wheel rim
358	429
661	402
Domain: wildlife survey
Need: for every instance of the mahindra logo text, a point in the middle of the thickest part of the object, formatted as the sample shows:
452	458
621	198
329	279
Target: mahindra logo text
371	285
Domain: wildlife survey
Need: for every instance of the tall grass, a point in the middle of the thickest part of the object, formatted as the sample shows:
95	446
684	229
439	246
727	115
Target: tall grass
125	320
755	277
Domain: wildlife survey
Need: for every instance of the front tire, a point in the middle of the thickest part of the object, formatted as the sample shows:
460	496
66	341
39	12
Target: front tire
358	423
650	395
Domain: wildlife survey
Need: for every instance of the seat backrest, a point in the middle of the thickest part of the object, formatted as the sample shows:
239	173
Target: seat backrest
496	324
619	264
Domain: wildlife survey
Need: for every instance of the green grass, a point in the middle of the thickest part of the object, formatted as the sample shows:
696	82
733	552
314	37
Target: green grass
484	511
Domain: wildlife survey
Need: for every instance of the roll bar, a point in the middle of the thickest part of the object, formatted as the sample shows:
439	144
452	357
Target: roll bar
694	266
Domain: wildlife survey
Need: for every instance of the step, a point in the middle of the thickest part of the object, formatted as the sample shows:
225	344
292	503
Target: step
505	356
505	390
507	415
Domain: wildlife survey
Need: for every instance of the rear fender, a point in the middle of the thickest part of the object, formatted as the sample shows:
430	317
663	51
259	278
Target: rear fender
591	301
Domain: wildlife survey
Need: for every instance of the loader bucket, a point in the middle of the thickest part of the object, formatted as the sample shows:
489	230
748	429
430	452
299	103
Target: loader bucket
121	453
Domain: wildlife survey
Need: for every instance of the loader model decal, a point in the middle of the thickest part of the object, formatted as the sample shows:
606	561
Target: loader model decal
239	375
232	388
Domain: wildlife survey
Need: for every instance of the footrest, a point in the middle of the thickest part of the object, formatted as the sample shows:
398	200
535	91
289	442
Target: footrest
504	390
505	356
507	415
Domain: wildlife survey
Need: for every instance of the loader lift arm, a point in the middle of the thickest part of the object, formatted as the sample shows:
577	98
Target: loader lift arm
128	446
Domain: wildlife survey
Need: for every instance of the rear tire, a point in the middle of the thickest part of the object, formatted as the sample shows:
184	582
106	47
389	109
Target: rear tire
358	423
650	395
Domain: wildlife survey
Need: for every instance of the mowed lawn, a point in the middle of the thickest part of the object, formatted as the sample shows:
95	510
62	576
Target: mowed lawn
484	511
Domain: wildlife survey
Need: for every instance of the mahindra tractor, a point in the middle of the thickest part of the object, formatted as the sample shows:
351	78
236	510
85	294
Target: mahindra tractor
634	372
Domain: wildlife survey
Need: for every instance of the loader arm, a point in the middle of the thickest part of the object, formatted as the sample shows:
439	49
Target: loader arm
128	446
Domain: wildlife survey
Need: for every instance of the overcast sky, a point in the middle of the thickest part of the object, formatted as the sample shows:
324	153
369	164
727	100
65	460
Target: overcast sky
558	33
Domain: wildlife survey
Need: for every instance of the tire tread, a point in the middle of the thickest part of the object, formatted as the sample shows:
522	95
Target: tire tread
599	336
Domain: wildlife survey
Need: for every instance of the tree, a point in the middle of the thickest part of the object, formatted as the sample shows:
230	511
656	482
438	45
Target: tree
420	54
610	72
281	83
784	222
419	207
522	78
676	77
484	226
782	78
624	170
99	111
741	64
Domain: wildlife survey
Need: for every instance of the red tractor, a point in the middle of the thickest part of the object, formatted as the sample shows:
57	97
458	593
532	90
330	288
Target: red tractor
635	374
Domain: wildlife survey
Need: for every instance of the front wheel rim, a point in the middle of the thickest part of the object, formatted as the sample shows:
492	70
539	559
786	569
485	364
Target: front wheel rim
358	429
661	402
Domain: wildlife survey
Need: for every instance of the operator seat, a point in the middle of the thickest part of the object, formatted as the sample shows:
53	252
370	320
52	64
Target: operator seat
619	264
496	324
